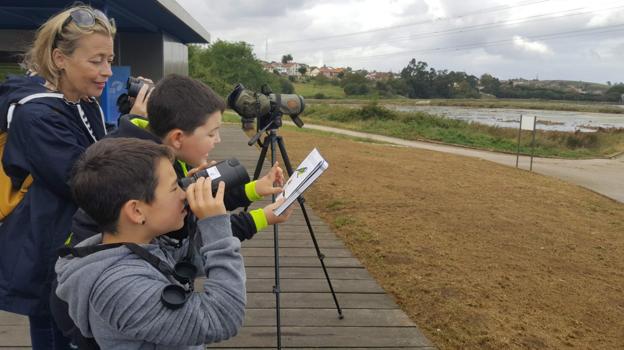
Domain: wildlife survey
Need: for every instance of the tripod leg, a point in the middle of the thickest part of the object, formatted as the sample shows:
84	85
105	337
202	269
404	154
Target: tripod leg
321	256
276	288
261	158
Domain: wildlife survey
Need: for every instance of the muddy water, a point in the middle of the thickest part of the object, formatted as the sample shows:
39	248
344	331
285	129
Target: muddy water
509	118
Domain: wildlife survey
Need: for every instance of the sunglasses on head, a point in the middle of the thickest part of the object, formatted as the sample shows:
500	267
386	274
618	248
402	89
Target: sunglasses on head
85	18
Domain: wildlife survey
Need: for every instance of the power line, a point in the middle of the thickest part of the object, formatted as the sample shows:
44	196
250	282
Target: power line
464	29
545	37
479	12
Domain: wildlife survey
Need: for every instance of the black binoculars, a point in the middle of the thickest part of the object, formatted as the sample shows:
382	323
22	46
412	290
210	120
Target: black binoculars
230	171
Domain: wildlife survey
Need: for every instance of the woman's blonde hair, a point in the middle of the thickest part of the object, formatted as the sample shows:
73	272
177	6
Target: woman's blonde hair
53	35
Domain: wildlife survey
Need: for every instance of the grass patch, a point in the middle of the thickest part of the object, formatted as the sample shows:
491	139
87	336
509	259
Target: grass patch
341	221
423	126
311	90
576	106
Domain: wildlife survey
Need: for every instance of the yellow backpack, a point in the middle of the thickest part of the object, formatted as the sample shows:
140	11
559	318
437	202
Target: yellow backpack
10	196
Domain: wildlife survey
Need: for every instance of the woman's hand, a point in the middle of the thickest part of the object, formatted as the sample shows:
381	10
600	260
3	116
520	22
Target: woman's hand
201	201
140	102
265	185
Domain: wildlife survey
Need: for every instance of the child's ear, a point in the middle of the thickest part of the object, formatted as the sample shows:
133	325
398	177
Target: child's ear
174	138
133	212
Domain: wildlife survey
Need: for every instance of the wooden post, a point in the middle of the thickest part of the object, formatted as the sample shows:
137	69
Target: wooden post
519	132
533	144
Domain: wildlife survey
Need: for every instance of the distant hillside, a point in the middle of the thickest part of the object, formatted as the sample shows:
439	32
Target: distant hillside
574	86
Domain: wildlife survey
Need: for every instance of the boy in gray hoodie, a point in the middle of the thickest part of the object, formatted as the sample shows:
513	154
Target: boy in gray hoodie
129	187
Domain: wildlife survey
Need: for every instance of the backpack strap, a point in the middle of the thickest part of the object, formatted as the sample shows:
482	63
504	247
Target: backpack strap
81	112
25	100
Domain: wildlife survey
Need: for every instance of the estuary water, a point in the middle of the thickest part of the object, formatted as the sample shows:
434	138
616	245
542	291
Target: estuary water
509	118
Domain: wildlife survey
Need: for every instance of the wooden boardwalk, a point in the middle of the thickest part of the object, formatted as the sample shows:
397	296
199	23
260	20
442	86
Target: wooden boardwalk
308	314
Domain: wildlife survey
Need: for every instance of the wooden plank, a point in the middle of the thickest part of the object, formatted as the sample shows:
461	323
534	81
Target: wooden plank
298	252
216	346
328	318
288	261
263	242
14	336
382	337
266	300
309	273
314	286
11	319
267	234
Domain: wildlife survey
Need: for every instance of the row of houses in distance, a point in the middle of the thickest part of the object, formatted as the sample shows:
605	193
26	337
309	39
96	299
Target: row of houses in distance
298	70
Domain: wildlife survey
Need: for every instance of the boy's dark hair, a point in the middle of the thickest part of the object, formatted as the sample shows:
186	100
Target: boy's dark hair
179	102
114	171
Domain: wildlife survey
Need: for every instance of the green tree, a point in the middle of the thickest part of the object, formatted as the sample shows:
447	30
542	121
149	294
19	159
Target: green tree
224	64
287	58
302	70
418	79
355	83
615	92
490	84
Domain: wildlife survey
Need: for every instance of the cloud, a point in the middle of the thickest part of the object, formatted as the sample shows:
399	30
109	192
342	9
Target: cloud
435	8
506	38
607	18
531	47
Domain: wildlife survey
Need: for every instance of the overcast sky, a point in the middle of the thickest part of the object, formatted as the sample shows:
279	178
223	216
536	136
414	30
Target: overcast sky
547	39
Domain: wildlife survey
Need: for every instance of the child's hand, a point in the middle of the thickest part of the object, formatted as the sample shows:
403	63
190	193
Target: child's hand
201	201
274	219
264	186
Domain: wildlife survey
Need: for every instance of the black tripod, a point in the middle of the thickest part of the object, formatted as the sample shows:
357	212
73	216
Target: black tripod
270	140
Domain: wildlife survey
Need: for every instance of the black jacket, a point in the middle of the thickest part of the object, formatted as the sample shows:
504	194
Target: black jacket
243	226
46	137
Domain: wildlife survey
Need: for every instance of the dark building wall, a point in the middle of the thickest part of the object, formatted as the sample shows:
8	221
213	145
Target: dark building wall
16	40
151	55
142	52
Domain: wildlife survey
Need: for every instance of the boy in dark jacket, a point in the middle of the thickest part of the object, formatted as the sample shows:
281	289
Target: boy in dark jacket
185	115
115	294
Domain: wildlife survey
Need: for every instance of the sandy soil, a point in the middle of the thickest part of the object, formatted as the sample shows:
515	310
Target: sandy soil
480	255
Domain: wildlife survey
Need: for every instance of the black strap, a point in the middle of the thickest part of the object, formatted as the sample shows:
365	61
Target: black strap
81	252
155	261
192	230
152	259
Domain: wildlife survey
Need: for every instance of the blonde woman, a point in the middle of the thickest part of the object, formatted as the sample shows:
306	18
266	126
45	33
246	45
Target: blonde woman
69	64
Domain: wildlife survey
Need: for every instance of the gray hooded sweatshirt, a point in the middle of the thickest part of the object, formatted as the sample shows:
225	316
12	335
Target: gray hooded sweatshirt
114	295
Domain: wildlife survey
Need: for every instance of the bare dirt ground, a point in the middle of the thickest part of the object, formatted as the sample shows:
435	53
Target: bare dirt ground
480	255
601	175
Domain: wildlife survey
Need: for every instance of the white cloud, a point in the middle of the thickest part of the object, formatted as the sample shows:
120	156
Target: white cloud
471	35
606	19
435	8
531	47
